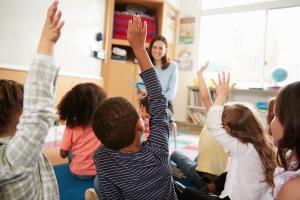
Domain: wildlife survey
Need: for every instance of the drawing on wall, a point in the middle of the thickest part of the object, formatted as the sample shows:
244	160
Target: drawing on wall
186	44
184	59
186	30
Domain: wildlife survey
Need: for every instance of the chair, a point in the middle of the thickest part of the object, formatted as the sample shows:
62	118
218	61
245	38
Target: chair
173	129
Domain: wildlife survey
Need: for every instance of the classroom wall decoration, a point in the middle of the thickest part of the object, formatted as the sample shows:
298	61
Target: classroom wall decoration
186	43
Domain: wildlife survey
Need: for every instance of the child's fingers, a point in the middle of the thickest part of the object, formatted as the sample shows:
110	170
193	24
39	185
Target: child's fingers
59	26
213	81
205	65
52	10
56	19
139	23
219	78
228	78
134	22
130	27
223	77
145	28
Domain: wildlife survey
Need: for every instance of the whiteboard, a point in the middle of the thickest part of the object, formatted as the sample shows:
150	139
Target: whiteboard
21	23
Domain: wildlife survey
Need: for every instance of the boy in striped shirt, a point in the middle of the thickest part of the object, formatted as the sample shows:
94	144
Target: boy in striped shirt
128	168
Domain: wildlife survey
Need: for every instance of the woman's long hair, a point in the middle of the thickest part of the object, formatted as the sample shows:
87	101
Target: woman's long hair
287	110
165	62
241	122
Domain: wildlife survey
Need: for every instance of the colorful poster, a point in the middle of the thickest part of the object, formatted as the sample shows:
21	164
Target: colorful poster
184	59
186	44
186	30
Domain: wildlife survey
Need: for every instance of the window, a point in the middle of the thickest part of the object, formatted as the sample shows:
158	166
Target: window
235	43
283	43
251	44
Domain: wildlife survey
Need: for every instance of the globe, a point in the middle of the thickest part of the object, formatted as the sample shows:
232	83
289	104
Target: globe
279	75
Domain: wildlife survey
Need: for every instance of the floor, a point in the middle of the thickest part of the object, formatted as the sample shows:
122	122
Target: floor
52	142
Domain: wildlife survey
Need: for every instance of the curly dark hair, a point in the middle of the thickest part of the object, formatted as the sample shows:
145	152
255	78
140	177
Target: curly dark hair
79	104
242	123
11	104
114	123
287	110
165	62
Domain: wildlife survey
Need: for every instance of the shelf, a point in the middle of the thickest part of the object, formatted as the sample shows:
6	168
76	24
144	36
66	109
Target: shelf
149	4
120	42
121	62
196	88
124	42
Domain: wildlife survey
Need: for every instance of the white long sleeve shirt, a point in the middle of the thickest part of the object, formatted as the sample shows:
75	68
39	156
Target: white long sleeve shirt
245	178
25	173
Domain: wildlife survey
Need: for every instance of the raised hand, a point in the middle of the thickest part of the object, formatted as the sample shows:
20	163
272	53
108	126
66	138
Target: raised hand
203	89
202	68
51	30
136	35
142	95
137	32
222	88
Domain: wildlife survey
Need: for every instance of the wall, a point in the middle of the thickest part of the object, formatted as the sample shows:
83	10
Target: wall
175	3
21	24
188	8
63	85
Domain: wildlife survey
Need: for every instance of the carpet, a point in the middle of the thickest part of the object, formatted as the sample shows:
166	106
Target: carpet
70	187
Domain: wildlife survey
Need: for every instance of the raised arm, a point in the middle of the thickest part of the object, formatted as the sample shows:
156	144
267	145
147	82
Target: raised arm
204	93
25	147
157	104
214	116
136	35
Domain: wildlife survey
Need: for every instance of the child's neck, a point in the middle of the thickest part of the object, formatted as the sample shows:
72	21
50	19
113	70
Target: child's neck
134	147
9	133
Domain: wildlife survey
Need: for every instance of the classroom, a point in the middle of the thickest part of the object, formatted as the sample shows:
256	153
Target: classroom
150	99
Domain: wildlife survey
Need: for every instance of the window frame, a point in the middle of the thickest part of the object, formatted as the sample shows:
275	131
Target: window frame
265	6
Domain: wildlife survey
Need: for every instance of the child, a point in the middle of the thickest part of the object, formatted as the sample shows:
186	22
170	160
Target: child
144	112
285	131
270	114
212	158
79	140
240	132
126	167
25	173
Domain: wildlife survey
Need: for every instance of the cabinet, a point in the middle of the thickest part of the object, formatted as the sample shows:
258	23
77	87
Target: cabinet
120	75
197	113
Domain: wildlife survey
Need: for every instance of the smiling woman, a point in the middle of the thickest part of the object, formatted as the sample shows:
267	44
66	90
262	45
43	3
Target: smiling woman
167	71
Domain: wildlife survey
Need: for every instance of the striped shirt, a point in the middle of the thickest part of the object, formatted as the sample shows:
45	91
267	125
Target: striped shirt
25	173
144	174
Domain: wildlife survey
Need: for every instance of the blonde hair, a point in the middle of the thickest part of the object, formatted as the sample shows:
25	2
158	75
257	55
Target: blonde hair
242	122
